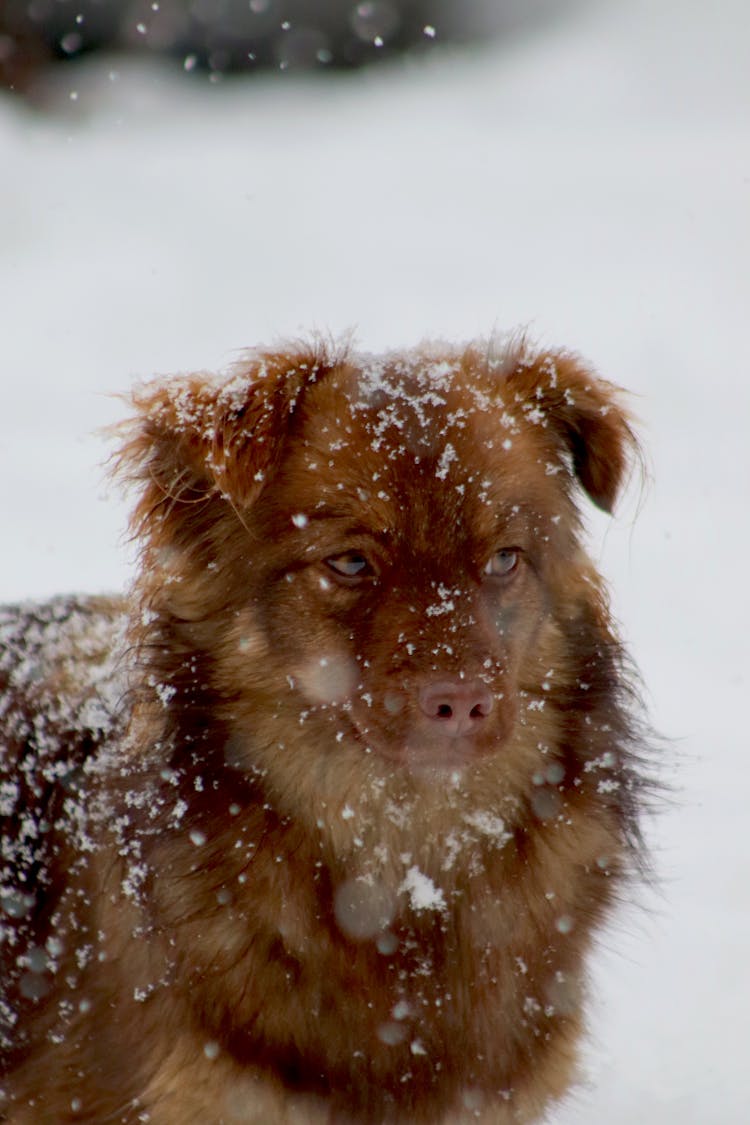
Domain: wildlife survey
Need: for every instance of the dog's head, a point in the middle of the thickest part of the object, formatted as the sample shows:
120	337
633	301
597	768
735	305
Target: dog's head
379	556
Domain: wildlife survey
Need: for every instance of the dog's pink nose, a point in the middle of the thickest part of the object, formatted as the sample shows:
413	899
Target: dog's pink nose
457	706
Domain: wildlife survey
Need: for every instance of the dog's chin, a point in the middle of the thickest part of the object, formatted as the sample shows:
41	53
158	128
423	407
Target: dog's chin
434	754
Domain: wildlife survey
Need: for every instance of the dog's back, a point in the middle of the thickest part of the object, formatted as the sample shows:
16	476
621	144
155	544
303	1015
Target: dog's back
60	698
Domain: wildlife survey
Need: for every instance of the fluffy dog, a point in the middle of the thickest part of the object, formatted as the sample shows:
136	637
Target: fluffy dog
318	825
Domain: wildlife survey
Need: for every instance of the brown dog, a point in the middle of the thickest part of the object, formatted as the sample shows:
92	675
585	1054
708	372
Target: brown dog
326	838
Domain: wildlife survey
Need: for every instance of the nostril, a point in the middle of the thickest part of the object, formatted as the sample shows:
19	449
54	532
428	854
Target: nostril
459	706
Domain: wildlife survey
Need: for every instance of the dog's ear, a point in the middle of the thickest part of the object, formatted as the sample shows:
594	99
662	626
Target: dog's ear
585	414
195	438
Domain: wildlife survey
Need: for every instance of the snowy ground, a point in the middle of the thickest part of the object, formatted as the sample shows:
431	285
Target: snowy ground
591	181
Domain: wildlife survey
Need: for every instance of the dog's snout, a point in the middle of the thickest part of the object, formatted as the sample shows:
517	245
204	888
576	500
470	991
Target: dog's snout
458	706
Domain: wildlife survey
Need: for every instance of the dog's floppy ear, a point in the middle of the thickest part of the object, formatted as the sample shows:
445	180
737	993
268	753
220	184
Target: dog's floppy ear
193	438
586	415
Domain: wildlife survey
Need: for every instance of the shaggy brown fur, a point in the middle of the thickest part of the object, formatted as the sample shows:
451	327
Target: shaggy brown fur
327	837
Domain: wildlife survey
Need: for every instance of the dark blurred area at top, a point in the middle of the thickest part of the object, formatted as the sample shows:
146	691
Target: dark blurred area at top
229	36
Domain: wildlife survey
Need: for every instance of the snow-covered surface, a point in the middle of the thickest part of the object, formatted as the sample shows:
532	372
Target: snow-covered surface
592	182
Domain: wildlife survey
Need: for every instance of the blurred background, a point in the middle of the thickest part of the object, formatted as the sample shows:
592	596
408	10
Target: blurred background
184	178
229	36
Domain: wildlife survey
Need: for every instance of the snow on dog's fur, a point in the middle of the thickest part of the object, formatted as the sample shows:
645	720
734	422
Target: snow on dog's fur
326	836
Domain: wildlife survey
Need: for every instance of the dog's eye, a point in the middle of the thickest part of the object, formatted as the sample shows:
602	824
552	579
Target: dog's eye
352	565
502	563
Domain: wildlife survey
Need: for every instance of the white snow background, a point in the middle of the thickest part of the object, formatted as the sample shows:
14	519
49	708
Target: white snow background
591	181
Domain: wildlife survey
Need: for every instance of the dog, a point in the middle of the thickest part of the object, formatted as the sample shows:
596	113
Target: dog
319	823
